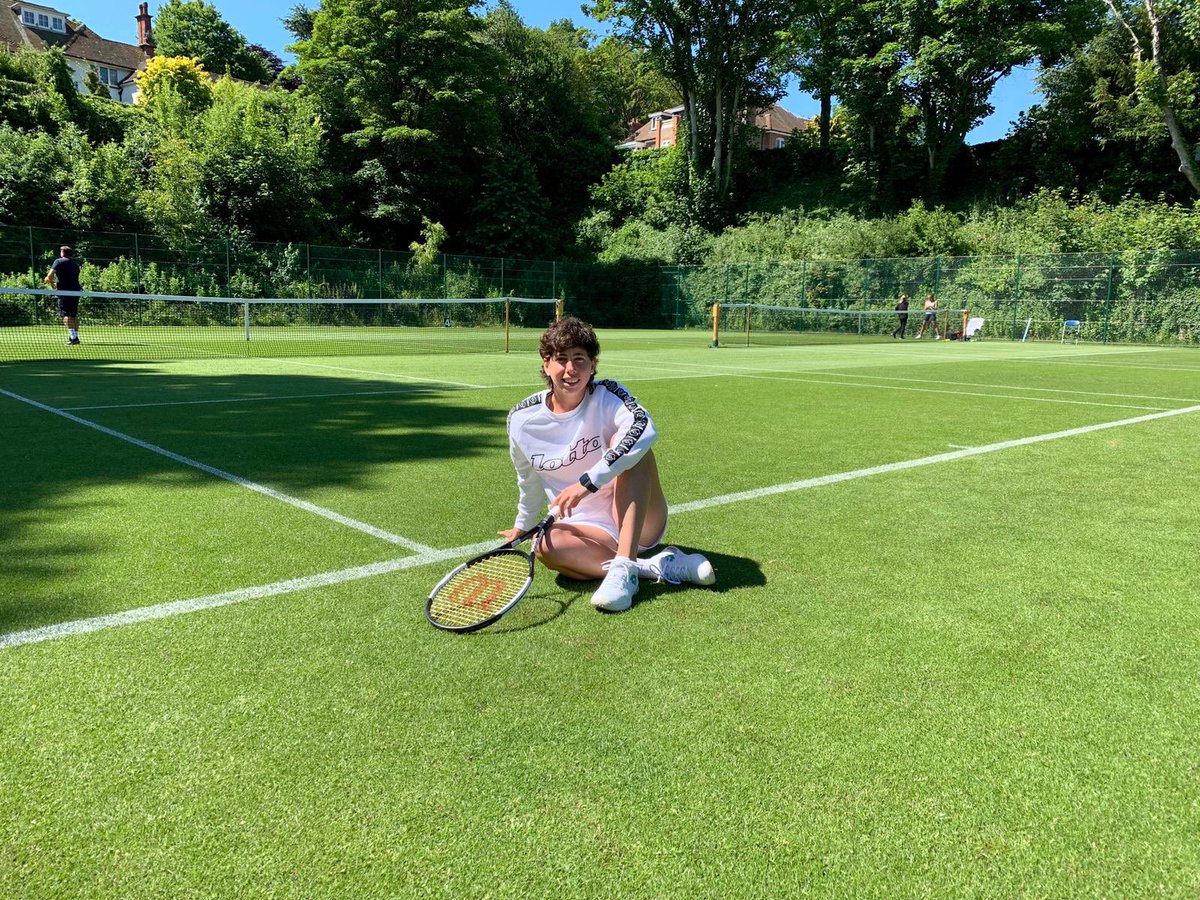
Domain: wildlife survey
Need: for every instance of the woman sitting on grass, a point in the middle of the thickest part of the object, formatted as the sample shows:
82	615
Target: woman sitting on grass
583	446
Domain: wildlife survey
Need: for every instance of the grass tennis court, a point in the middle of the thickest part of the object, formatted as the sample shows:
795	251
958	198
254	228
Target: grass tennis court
953	647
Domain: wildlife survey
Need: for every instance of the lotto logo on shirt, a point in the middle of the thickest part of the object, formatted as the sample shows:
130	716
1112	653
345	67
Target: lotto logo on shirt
579	450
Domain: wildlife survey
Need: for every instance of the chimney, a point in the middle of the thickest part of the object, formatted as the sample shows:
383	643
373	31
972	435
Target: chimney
145	38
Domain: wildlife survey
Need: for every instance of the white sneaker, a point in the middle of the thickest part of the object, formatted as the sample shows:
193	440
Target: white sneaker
616	591
675	567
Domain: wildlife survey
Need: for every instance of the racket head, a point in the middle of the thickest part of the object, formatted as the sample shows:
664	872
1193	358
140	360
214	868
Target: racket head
480	591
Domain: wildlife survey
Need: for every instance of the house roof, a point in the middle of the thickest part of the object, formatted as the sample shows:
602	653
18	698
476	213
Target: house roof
642	136
775	120
779	120
79	41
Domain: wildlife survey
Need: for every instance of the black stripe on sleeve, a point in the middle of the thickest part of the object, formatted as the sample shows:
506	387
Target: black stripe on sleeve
640	419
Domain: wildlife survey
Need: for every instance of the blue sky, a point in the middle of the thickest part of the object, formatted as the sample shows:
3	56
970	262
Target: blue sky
259	22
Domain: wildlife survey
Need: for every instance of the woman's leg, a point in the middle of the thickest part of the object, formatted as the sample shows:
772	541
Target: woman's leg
639	507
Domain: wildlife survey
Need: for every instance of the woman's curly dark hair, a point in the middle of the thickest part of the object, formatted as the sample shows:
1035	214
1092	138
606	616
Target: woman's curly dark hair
566	333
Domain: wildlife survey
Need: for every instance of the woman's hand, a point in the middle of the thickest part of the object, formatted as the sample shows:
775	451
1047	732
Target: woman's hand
509	534
568	499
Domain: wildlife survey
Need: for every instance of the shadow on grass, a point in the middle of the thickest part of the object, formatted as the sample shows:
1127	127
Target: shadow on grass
733	572
62	483
547	604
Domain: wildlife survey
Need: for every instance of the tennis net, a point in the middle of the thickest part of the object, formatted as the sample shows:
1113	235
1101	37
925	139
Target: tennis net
162	326
761	324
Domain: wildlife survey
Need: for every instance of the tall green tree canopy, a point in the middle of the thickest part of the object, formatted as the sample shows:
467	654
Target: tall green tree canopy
1164	37
725	57
402	88
955	53
196	28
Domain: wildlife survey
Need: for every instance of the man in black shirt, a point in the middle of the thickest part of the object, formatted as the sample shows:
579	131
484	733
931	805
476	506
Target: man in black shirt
901	316
64	276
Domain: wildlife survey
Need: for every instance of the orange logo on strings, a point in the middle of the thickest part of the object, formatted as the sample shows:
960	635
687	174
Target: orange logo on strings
479	591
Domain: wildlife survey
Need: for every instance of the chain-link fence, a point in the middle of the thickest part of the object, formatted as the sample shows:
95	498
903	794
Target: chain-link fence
1134	296
149	264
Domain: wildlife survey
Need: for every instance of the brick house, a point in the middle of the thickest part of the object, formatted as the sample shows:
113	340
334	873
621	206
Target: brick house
775	127
38	27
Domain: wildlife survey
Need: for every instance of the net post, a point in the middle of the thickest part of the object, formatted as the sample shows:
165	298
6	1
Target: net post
246	317
716	317
507	319
747	324
966	313
558	310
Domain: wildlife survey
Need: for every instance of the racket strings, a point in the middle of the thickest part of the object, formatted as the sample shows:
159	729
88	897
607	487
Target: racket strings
481	590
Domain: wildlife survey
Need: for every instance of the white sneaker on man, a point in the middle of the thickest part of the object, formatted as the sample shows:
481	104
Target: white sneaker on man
616	591
675	567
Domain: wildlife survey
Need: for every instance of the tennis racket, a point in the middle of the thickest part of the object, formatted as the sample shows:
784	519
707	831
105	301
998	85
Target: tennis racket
481	590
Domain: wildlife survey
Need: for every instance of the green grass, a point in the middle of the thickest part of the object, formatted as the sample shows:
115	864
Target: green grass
975	677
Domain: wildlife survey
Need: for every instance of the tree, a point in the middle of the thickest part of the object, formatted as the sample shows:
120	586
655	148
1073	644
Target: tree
401	86
299	21
725	57
867	80
955	53
177	81
1167	81
624	84
553	141
249	163
816	42
195	28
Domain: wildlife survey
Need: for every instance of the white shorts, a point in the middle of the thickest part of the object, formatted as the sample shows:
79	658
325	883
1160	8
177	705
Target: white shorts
596	511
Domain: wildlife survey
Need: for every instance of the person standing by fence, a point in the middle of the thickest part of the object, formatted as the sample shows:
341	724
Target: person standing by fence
901	317
64	276
930	318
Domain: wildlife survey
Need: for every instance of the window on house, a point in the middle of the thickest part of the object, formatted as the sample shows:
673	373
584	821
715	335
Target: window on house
57	24
28	18
779	142
109	76
43	20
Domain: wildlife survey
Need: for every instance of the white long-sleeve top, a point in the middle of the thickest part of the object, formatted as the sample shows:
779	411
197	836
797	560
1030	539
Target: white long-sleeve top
603	436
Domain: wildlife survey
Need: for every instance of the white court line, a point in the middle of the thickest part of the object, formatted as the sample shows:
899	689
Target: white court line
960	446
402	390
924	461
1004	387
917	390
798	378
296	362
229	476
212	601
163	610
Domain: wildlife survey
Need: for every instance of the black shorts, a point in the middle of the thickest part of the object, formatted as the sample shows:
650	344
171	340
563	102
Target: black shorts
930	316
68	307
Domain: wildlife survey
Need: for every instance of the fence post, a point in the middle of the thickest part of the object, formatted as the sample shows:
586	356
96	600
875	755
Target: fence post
380	273
553	278
32	257
137	263
227	272
1112	267
1016	296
